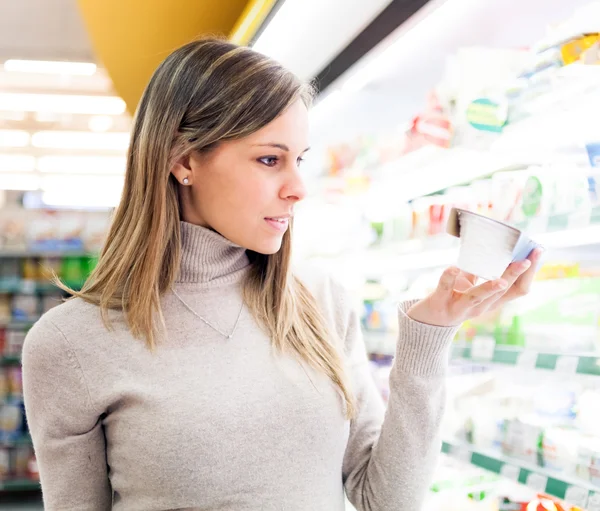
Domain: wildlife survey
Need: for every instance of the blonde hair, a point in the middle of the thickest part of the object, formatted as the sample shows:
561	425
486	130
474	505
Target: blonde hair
203	93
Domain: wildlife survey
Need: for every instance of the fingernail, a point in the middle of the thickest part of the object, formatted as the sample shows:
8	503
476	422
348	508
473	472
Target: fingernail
526	264
501	284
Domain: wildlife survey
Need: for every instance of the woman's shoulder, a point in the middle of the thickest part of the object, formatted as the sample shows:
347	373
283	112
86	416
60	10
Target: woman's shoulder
73	321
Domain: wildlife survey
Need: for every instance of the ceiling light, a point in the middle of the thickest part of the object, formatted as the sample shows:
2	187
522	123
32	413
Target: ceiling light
50	67
100	123
16	163
19	181
14	138
62	103
82	164
80	140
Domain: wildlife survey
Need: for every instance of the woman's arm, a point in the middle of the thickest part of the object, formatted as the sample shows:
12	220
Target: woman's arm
393	470
65	427
389	466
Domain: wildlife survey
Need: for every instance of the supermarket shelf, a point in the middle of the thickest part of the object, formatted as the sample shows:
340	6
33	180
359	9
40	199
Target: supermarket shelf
18	323
43	254
485	350
10	360
27	287
31	287
19	485
574	491
423	254
23	441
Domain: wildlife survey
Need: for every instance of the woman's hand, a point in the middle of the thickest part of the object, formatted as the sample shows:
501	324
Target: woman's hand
458	298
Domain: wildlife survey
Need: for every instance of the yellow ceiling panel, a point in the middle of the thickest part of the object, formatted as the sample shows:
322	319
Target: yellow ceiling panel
131	37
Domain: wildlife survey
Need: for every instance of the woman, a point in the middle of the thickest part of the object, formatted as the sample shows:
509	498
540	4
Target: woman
194	370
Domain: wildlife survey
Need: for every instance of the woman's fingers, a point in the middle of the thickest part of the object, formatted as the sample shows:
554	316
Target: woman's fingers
511	275
523	283
477	295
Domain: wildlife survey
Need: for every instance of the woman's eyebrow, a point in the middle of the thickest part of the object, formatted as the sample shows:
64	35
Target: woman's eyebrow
283	147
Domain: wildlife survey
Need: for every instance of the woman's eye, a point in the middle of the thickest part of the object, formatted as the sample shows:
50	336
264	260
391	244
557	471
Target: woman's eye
269	161
300	160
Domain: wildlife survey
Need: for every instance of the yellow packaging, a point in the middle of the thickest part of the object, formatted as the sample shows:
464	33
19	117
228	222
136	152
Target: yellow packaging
572	50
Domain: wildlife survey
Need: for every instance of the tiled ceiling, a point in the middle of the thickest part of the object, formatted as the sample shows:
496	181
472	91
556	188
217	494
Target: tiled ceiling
43	30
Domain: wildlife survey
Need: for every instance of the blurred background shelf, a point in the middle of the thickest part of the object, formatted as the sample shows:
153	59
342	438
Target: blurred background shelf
574	491
485	350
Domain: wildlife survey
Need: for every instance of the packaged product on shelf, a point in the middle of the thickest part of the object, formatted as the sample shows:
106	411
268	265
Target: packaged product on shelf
24	307
30	270
42	234
74	270
5	309
588	459
593	151
571	51
560	447
15	338
4	463
11	421
13	231
10	273
70	232
15	381
32	468
3	383
20	461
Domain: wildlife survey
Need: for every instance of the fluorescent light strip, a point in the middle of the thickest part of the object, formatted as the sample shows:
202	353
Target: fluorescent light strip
50	67
82	164
14	138
16	163
62	103
117	141
414	34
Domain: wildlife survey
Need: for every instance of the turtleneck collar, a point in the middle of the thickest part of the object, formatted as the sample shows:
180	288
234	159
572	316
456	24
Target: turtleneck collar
208	257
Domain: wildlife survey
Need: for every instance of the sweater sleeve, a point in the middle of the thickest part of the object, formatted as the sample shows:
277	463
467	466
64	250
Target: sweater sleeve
390	459
67	433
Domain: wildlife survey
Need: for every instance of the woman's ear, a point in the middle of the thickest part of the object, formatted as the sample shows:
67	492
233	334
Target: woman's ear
182	170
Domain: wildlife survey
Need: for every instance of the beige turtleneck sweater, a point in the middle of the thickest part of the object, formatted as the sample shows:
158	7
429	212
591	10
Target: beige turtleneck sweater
208	423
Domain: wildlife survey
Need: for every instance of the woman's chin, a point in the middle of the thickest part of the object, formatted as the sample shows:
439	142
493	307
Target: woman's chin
268	246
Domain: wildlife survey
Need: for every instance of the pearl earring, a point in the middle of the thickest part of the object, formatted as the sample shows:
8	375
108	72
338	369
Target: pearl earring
186	181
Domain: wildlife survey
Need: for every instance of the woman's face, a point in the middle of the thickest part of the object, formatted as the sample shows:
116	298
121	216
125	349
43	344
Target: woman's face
246	189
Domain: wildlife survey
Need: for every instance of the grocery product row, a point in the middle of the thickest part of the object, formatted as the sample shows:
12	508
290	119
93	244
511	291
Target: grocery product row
35	274
42	232
18	468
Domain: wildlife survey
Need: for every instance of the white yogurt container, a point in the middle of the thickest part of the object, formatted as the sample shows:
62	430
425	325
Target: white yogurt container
487	246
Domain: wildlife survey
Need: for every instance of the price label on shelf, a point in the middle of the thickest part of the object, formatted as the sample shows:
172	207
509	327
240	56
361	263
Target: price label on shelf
510	472
594	502
537	482
483	349
461	453
576	496
566	364
527	360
